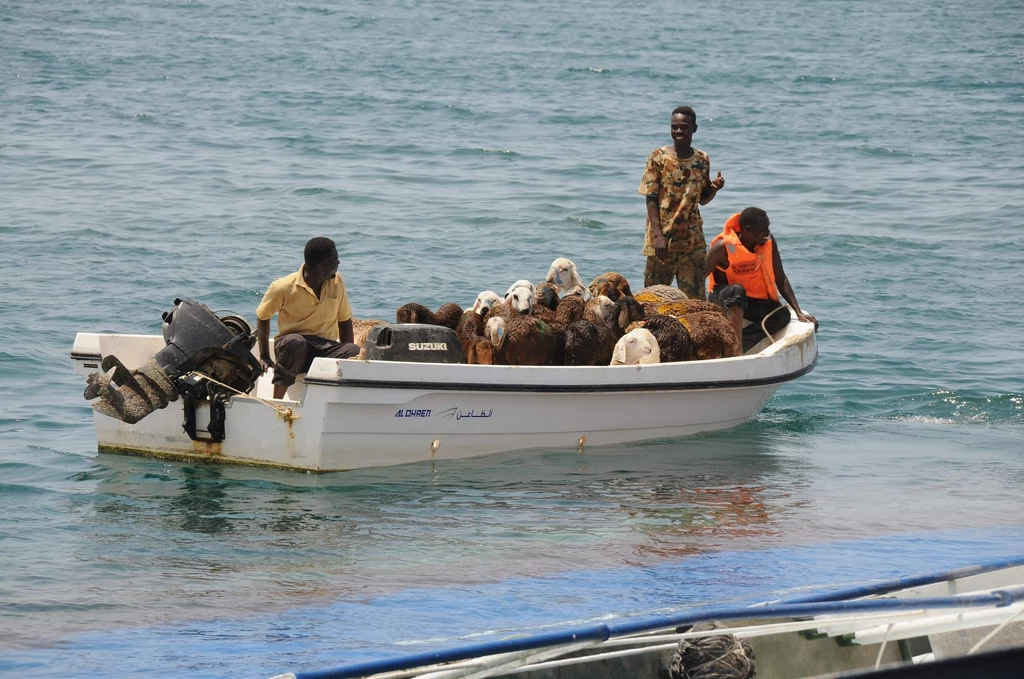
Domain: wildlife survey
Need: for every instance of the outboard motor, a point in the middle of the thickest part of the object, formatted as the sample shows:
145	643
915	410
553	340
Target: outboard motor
413	342
197	340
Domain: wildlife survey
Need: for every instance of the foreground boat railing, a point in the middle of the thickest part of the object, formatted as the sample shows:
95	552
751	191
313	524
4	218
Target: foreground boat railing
841	618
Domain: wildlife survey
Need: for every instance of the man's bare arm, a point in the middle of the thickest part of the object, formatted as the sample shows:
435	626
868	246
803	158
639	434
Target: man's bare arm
712	189
345	331
782	281
657	235
263	341
718	259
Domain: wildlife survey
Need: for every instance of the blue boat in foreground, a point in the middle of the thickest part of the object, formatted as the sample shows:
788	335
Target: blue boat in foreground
967	622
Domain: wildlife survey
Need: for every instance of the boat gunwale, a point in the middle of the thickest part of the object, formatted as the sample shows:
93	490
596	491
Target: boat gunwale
565	388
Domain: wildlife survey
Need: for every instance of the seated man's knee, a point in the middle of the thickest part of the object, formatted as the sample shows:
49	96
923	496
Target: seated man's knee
344	350
730	296
289	356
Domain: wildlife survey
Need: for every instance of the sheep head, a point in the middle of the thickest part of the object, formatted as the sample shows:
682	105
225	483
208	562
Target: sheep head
627	310
485	301
480	352
521	299
523	283
546	294
599	309
563	274
612	284
638	346
495	331
579	291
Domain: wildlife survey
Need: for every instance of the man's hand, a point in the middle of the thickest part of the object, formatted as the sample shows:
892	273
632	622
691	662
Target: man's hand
718	183
807	318
660	247
266	363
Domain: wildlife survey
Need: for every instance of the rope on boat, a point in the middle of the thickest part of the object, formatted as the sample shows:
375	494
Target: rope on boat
881	647
994	632
719	657
285	412
765	320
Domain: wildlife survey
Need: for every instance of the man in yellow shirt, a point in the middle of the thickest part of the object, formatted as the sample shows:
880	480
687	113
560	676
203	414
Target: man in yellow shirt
314	318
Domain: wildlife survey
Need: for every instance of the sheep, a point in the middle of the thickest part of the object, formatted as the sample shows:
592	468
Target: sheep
521	299
361	328
598	309
712	334
579	291
564	275
546	294
525	340
519	284
688	306
545	302
592	342
625	312
448	315
674	341
475	347
612	285
636	347
570	309
653	295
484	302
583	342
479	351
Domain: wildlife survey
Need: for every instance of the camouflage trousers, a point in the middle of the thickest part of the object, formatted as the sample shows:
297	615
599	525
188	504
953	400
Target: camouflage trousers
690	271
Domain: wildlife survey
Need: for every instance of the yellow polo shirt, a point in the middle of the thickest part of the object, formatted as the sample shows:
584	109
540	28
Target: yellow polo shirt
298	309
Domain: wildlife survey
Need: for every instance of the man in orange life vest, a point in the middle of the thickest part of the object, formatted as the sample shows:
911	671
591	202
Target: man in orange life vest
745	254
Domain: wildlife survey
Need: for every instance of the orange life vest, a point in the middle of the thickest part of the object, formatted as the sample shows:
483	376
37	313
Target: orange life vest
755	271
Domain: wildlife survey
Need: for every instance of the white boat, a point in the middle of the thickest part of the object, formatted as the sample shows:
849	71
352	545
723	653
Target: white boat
348	414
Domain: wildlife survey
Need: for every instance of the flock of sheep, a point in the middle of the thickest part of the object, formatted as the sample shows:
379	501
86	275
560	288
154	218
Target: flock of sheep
563	322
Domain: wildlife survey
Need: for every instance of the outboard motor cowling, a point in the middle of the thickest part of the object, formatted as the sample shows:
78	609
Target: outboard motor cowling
197	340
413	342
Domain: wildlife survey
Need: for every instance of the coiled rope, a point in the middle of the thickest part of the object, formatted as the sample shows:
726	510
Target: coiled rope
719	657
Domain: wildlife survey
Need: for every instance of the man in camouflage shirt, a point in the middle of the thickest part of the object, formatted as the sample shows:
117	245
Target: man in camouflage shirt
677	181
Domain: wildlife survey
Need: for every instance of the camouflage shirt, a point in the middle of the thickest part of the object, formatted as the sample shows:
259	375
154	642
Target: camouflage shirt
678	184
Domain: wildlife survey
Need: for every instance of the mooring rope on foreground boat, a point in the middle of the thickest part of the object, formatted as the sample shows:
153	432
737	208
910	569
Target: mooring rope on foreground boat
859	621
285	411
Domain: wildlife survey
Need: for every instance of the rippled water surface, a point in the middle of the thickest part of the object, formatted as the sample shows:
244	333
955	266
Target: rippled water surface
154	149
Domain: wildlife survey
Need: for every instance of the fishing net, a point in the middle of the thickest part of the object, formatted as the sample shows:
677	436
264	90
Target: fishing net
719	657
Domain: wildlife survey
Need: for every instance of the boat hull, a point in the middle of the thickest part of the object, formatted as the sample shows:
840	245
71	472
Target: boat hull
354	414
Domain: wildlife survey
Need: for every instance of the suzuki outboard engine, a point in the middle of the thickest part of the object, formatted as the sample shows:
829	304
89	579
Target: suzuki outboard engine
413	342
197	340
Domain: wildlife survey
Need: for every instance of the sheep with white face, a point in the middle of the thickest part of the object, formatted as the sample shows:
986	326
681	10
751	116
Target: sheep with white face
563	274
636	347
521	299
495	331
523	283
485	301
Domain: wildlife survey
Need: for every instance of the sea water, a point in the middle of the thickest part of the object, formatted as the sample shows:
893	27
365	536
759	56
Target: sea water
151	149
